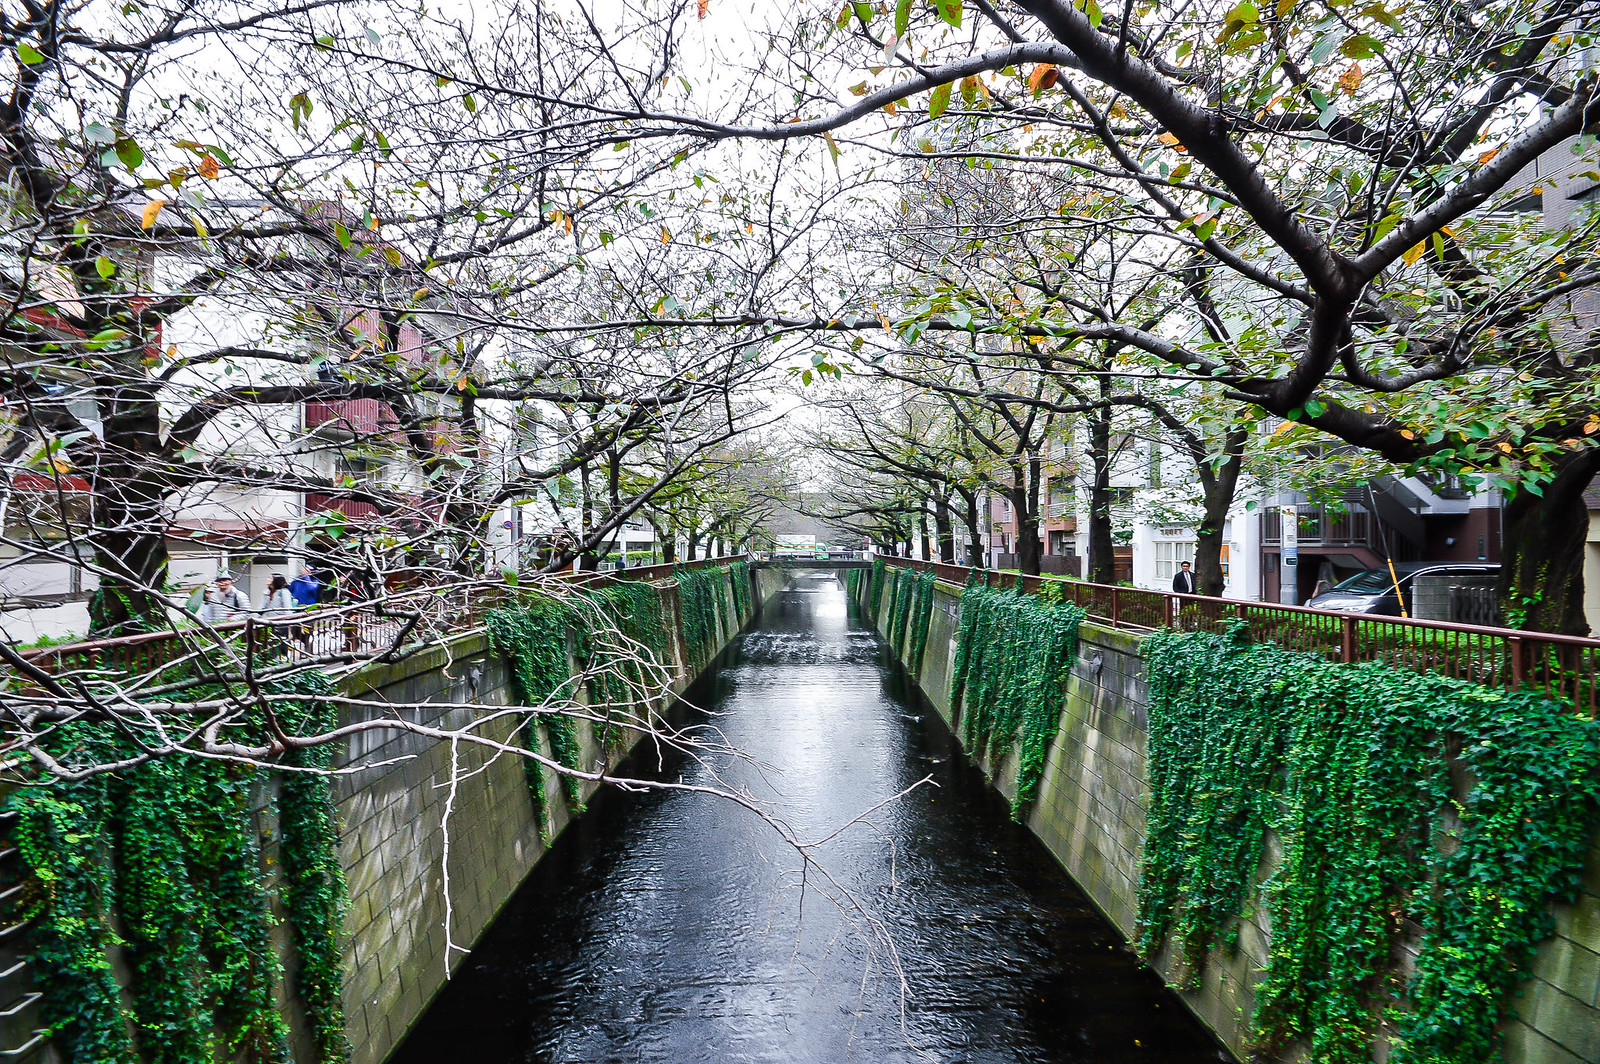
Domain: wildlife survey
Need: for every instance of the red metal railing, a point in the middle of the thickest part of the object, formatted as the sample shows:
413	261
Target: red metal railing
362	630
1562	666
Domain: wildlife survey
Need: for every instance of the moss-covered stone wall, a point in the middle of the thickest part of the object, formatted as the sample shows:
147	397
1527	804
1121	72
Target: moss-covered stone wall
1090	814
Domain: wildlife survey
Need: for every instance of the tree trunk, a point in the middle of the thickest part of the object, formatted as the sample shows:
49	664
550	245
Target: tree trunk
691	544
1541	575
942	528
1024	496
1219	486
1102	564
127	527
974	529
922	531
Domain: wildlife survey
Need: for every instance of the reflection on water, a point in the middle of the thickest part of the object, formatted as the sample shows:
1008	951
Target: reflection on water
670	927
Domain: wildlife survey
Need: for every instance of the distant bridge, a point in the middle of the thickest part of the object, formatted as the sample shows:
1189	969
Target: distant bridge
832	562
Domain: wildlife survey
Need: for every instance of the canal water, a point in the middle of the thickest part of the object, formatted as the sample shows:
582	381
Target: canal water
670	927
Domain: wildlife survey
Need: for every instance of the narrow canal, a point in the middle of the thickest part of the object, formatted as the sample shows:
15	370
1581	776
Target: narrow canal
674	927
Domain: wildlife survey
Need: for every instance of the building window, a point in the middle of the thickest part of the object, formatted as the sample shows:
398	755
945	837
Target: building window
1170	553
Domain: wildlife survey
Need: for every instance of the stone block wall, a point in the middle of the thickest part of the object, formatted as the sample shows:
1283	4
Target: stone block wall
1090	814
393	801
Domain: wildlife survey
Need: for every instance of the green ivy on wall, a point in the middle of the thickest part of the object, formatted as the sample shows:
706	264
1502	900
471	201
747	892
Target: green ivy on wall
549	642
743	595
1013	653
161	863
533	633
900	592
1399	801
875	585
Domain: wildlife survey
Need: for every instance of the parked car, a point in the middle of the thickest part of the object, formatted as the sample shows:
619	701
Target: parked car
1373	590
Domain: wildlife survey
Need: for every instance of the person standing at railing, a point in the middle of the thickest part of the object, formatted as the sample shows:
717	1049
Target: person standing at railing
277	606
225	603
306	587
1184	582
306	590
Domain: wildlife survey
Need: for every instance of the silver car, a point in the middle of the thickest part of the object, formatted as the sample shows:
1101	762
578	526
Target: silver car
1373	590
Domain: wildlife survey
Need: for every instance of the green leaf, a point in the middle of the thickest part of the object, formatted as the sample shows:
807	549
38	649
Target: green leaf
130	153
29	55
342	235
902	18
1315	408
393	255
1385	225
1092	9
470	104
1181	171
1361	46
939	102
104	266
863	12
950	11
96	133
105	338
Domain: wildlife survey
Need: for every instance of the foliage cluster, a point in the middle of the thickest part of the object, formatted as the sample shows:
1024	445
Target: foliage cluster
613	636
1399	801
162	866
1013	652
875	584
700	598
533	634
910	611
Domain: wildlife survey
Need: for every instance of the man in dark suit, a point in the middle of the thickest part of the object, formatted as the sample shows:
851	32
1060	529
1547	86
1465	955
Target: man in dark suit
1184	583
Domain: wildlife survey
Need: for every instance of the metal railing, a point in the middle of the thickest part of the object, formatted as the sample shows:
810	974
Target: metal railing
358	631
1564	667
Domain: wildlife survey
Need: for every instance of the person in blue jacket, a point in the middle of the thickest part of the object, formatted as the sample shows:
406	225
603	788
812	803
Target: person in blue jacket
306	587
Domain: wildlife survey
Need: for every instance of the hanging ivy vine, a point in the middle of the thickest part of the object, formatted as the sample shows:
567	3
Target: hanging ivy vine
921	617
162	864
1399	801
533	634
875	585
701	601
743	596
1013	653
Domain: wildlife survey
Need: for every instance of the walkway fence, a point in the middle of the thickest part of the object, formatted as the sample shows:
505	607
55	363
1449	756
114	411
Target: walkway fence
1562	666
360	630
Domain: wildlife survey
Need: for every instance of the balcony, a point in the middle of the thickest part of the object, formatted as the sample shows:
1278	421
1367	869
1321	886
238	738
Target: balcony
354	416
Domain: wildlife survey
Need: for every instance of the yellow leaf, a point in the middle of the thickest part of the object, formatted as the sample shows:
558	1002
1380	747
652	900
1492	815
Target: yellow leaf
152	211
1043	76
1118	111
1408	434
889	107
1591	428
883	319
1488	156
461	384
1171	141
1504	446
1350	80
703	7
61	465
666	235
1412	255
172	350
420	293
209	168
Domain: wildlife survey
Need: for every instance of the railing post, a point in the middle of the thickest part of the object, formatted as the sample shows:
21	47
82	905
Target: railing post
1116	607
1347	638
1518	669
1169	608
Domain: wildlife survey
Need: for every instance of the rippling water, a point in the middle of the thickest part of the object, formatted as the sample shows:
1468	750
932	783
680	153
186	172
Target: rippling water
670	927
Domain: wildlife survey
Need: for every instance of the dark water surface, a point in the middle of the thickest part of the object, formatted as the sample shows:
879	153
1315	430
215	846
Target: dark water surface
668	927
